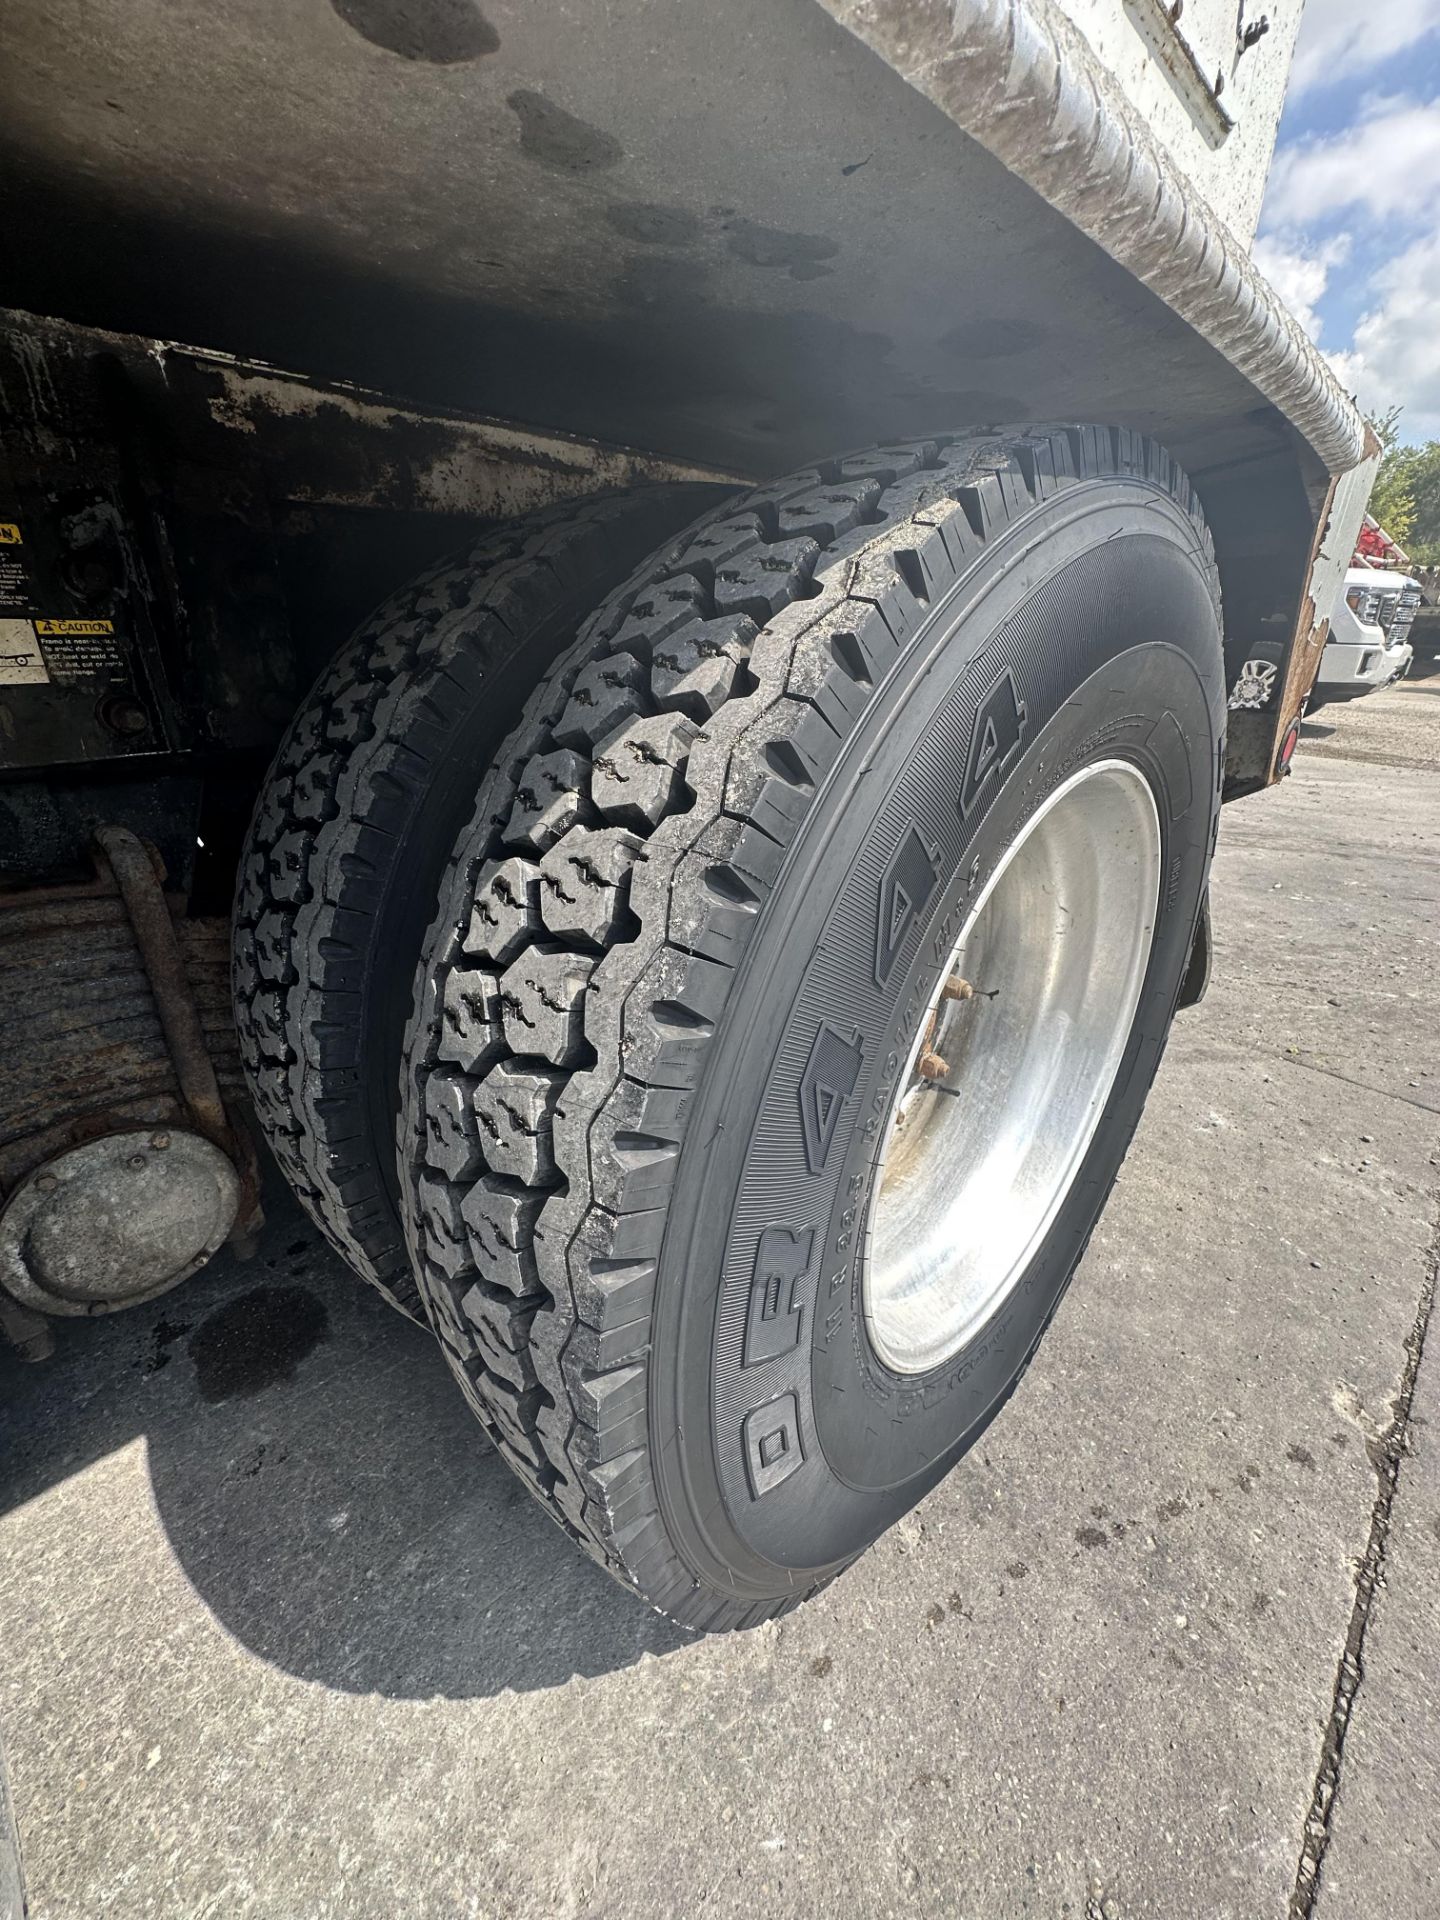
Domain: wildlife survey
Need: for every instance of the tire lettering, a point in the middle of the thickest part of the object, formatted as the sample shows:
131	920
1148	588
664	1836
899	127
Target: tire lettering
826	1084
905	890
775	1315
773	1448
994	739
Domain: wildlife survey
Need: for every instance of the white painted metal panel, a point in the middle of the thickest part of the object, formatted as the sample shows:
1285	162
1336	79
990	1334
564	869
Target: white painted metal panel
1168	67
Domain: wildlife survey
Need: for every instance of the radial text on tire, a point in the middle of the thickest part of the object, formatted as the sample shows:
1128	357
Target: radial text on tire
889	786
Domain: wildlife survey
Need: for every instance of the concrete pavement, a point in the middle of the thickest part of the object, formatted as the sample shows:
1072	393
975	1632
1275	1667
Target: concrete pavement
277	1639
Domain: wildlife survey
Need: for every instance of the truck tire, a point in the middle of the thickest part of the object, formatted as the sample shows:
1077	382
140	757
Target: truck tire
656	1203
354	824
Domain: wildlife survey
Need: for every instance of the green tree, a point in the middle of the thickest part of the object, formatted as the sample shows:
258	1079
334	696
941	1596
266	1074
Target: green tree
1392	502
1386	427
1406	499
1419	468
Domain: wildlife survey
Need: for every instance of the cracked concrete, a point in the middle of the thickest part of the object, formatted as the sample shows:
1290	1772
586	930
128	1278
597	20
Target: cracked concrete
1386	1450
277	1639
1377	1850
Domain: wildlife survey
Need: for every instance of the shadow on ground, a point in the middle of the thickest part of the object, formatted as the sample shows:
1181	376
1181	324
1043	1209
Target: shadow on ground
322	1483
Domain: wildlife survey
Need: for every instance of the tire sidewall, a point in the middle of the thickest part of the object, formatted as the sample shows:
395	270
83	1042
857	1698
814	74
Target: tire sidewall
782	1445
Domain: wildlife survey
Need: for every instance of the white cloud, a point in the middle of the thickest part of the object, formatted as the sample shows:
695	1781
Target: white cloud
1367	195
1340	40
1300	272
1395	358
1387	164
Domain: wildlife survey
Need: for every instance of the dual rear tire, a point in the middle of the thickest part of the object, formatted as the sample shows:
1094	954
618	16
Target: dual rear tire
847	864
372	781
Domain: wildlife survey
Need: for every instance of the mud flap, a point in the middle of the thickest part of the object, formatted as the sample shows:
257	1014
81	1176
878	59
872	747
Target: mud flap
1196	983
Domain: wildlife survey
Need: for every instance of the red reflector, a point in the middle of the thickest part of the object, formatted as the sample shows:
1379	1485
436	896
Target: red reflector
1287	748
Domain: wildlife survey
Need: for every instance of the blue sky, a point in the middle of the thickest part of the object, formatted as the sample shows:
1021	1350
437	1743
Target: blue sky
1350	233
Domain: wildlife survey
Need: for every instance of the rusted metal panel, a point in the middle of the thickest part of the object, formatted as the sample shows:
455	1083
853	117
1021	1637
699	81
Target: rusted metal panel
326	443
1255	738
1330	557
82	1050
211	529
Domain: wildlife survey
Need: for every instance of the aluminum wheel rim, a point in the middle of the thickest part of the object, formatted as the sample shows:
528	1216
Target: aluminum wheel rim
1013	1066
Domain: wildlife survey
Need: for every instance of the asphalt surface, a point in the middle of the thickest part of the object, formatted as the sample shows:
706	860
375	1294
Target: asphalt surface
278	1639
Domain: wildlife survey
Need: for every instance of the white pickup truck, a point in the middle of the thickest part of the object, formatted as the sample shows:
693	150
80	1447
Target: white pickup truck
1369	644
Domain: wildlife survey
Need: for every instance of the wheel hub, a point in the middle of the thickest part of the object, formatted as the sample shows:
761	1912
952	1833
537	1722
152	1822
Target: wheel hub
116	1221
1013	1066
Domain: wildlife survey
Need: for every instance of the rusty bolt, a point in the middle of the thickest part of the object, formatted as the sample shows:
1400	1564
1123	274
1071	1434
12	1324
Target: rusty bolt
957	989
46	1183
159	1141
123	714
930	1066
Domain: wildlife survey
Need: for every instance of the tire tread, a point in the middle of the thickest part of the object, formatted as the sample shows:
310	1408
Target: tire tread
332	817
766	630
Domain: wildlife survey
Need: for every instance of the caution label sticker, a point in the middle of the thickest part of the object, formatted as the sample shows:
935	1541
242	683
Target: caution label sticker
77	651
14	579
22	664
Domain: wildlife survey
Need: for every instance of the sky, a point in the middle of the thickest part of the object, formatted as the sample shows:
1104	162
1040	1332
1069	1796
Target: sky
1350	232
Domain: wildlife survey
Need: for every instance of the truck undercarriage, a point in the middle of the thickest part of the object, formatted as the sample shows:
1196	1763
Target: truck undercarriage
478	329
